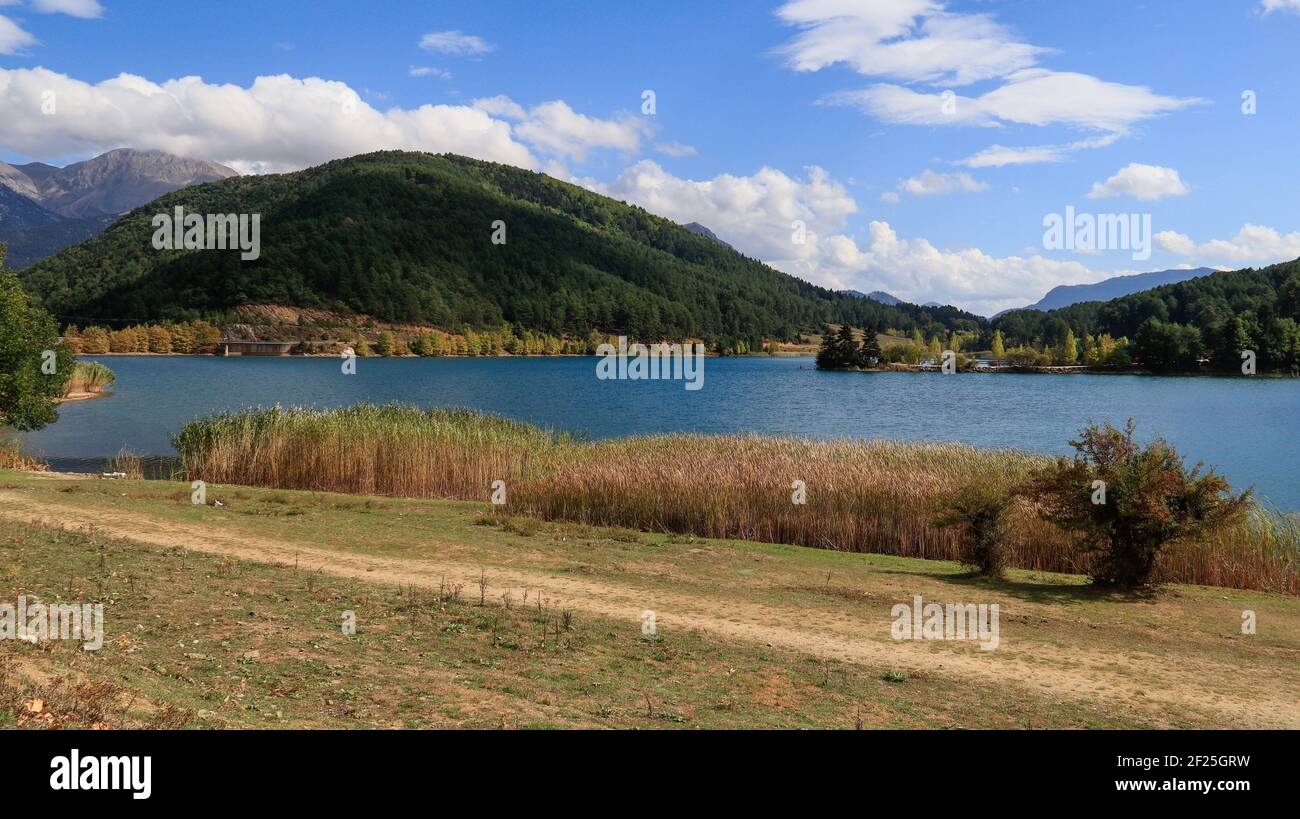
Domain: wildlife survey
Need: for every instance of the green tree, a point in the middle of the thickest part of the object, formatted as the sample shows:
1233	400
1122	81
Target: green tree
828	354
847	346
1164	346
1288	297
869	355
1226	340
1131	502
999	350
978	511
34	364
385	345
839	349
1069	348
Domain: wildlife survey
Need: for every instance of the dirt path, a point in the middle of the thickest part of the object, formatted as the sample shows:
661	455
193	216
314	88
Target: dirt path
1123	680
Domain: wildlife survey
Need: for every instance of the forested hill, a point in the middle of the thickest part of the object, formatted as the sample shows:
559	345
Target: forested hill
408	237
1212	317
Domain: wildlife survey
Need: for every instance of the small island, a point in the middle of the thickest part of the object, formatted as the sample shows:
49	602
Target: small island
1152	352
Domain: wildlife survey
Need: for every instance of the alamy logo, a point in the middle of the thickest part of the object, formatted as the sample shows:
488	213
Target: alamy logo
37	622
1090	232
75	772
655	361
218	231
954	621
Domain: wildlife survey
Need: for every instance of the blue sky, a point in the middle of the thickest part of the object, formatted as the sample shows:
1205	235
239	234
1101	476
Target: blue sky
830	113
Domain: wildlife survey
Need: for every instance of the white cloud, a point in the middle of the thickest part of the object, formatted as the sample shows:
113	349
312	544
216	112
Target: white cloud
908	40
280	122
455	42
1179	244
557	129
501	106
1268	6
12	38
1033	96
1145	182
1041	97
675	149
1253	245
429	71
921	42
755	214
890	198
929	183
917	271
87	9
998	156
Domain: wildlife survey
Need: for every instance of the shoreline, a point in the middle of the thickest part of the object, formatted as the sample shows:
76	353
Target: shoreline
82	395
1064	370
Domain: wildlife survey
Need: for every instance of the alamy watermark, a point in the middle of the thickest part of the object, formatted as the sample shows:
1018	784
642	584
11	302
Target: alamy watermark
216	231
640	362
1091	232
75	772
37	622
954	621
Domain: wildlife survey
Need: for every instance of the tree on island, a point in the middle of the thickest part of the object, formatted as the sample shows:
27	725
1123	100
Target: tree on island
1068	351
839	350
869	355
999	348
34	365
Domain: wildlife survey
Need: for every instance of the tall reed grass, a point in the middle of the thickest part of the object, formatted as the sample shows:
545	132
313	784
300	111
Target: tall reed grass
859	496
364	449
89	376
12	457
127	464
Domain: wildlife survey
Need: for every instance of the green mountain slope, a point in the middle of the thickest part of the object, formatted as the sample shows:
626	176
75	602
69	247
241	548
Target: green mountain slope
407	237
1214	318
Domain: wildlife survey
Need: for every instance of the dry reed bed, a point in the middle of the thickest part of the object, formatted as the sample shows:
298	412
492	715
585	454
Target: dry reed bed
367	450
91	377
860	496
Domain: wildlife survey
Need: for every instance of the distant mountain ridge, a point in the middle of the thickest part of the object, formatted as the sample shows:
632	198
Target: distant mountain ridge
1113	288
19	213
701	230
875	295
44	208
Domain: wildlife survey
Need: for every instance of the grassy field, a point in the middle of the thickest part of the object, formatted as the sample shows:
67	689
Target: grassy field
859	496
230	616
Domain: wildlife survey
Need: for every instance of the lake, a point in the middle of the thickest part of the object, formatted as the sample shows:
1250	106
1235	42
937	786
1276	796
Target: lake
1247	427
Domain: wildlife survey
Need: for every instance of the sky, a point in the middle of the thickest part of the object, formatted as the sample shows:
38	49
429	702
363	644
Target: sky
913	146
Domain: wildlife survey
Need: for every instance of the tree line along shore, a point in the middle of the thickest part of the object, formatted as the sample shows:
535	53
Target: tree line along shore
846	348
203	338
